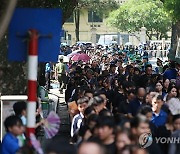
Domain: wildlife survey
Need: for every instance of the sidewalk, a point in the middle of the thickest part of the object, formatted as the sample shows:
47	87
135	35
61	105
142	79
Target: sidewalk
62	111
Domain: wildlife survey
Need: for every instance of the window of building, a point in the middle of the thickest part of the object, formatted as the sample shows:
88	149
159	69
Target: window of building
93	17
71	19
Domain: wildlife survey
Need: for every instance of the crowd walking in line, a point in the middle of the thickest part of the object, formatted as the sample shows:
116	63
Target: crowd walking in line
117	102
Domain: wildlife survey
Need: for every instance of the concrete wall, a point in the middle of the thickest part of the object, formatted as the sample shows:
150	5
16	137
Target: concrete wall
86	31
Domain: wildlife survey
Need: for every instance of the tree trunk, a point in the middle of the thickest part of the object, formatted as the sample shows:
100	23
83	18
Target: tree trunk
12	74
174	39
77	23
67	6
149	35
157	35
6	12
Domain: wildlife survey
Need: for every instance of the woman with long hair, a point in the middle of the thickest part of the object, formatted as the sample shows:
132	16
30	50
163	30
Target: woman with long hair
159	88
166	83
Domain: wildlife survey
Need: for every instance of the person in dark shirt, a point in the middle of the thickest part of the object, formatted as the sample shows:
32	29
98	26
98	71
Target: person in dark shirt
139	101
136	76
118	98
145	80
139	126
171	73
97	103
106	127
123	138
70	87
109	92
175	147
95	67
130	72
112	72
89	93
147	111
124	102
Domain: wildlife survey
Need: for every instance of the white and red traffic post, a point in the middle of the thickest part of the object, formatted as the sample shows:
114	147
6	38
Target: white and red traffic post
32	81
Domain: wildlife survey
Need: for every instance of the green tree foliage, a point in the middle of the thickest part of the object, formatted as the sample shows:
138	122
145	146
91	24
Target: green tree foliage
134	14
173	7
67	6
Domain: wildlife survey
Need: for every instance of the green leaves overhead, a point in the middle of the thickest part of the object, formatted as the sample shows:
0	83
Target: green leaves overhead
67	6
173	8
134	14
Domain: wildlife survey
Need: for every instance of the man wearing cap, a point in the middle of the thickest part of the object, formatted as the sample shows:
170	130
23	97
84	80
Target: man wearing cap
61	69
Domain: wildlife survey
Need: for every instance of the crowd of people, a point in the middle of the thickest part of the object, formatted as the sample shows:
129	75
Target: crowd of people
117	99
117	105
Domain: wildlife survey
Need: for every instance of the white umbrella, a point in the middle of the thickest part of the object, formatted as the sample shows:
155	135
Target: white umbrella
140	44
63	44
128	43
65	58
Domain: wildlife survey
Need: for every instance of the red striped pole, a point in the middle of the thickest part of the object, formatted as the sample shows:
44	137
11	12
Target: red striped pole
32	81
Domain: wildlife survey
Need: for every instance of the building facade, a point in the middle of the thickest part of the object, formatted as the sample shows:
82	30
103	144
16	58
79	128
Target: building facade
94	27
